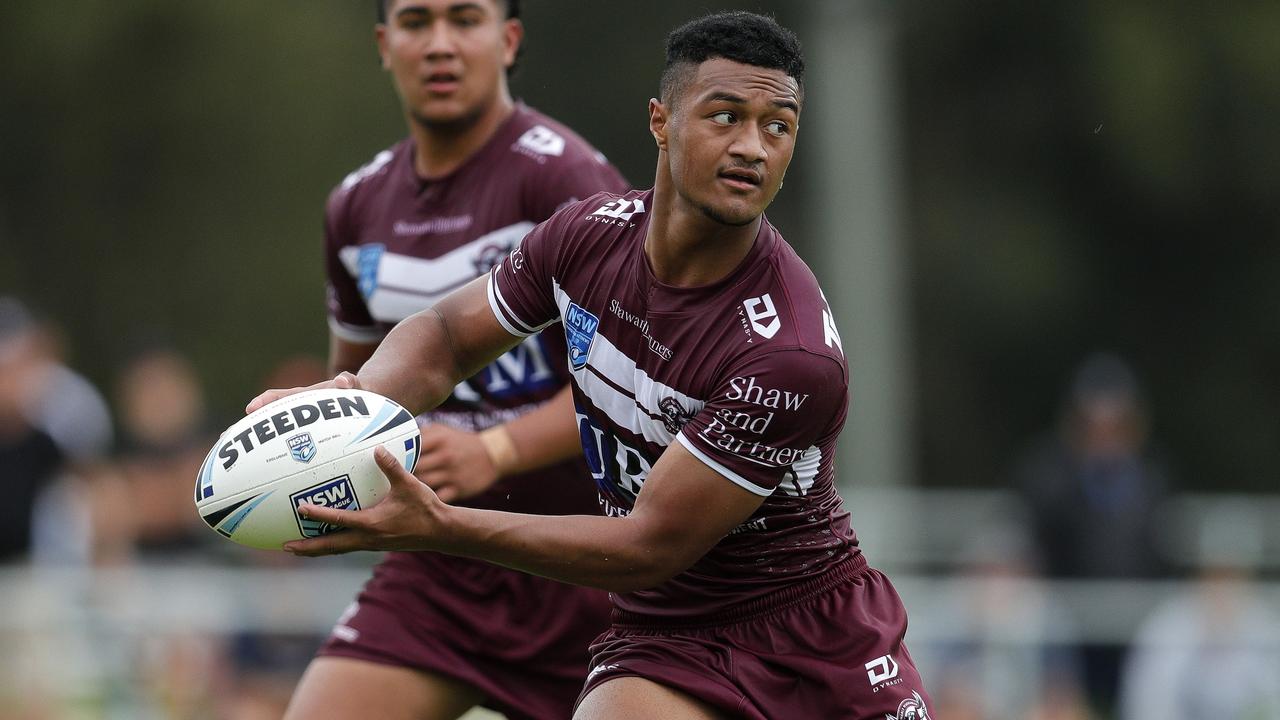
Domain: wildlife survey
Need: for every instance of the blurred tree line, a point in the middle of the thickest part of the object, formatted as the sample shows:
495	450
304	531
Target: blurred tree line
1078	176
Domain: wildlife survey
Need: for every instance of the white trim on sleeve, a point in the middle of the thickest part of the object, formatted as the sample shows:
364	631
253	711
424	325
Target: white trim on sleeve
362	334
732	476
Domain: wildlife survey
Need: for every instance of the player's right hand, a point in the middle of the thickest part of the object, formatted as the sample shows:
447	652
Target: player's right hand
454	463
344	381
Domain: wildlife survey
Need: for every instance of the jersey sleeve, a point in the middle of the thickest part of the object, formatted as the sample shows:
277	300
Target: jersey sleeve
349	317
521	287
770	418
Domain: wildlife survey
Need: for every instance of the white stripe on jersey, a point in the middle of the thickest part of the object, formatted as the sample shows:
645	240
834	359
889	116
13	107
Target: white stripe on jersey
507	317
734	477
408	284
805	469
359	334
640	411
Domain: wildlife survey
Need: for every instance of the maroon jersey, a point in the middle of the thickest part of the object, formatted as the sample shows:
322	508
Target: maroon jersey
396	244
747	374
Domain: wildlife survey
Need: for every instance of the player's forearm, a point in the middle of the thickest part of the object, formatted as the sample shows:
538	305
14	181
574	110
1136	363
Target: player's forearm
414	364
613	554
536	439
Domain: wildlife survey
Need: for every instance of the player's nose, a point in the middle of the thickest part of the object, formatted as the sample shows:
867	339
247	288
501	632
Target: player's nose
748	144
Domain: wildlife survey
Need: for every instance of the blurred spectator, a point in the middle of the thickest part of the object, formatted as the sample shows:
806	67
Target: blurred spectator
1093	490
164	438
1012	657
51	420
1213	652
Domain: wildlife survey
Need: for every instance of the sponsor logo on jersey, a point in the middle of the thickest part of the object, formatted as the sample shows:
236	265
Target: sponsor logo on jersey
619	470
337	493
881	670
579	330
642	325
301	447
432	226
762	316
367	268
282	422
516	258
618	212
746	390
538	142
674	416
910	709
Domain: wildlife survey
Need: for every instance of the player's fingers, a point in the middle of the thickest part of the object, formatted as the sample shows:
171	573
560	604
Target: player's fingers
330	544
334	516
269	396
346	381
391	467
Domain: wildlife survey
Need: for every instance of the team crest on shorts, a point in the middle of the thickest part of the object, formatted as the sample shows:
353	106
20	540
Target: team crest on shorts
911	709
579	330
337	493
302	448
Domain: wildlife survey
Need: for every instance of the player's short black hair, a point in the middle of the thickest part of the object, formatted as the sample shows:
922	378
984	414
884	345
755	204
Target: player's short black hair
513	13
739	36
513	8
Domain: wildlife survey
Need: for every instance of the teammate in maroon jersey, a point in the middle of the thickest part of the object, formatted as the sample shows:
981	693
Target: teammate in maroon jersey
710	386
431	635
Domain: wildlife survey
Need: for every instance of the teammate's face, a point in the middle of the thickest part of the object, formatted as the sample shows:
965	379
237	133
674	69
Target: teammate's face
729	137
448	57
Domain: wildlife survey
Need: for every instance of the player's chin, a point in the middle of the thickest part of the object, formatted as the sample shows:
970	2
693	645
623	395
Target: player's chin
734	214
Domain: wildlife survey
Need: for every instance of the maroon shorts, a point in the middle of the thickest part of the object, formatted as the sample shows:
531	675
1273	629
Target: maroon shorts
829	648
521	640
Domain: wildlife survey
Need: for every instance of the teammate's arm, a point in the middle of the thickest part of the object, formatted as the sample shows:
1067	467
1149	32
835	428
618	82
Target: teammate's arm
683	509
459	464
348	356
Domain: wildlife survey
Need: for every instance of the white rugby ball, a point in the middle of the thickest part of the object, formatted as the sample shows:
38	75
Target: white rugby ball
315	447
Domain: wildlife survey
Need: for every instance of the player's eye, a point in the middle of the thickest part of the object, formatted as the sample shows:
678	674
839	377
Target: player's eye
467	20
777	127
724	117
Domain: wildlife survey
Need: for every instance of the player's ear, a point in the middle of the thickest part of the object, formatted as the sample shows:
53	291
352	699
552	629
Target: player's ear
658	122
380	35
512	36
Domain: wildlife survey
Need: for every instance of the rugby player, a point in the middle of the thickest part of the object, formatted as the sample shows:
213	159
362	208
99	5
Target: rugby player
433	635
710	386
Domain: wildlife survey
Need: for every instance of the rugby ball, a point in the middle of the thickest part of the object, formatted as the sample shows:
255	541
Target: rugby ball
316	447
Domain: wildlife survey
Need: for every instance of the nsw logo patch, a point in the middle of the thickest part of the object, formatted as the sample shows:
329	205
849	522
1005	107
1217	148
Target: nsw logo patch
302	448
579	330
336	493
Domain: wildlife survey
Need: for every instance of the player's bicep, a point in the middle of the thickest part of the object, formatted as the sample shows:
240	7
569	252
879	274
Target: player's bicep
685	507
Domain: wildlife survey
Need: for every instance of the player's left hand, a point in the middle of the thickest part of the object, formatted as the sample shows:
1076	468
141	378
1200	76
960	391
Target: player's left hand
408	518
454	463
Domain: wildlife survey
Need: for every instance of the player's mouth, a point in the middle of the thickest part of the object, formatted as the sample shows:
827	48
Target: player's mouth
442	83
740	178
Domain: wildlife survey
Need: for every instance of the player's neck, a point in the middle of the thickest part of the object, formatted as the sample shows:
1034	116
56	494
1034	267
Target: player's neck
441	148
688	249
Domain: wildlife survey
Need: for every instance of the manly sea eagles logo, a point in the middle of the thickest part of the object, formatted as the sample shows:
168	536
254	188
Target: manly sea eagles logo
674	416
489	256
579	330
302	447
911	709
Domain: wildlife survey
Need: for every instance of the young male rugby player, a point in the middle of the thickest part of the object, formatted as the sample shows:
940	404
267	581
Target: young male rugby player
433	635
710	387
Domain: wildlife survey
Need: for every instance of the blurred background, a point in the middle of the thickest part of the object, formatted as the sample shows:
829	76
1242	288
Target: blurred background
1049	236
